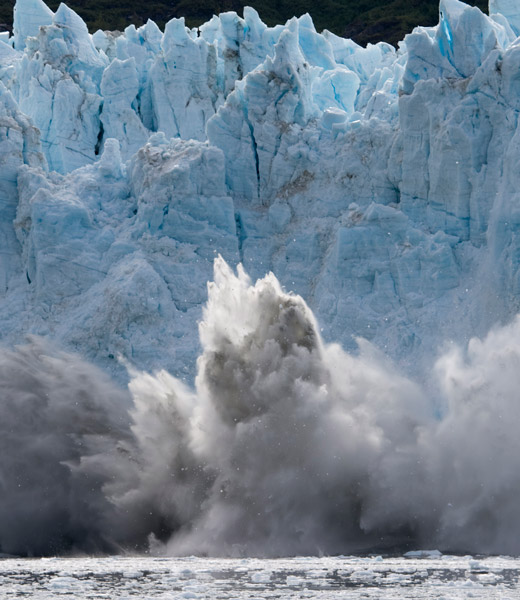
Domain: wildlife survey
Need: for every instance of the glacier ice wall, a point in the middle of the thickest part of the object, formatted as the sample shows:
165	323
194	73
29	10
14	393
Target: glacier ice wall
378	184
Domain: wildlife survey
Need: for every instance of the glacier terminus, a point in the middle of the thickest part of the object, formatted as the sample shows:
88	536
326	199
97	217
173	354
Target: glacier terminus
378	184
359	394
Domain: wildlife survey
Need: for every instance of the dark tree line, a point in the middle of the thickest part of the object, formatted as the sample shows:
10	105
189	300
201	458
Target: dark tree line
362	20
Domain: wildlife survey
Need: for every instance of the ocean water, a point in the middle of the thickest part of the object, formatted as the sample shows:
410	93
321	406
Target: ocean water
430	575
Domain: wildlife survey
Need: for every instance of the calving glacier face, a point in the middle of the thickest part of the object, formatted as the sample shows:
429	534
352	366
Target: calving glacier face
285	445
289	445
114	254
379	184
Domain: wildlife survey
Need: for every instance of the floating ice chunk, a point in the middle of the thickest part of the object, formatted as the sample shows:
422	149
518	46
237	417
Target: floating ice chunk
261	577
364	575
295	581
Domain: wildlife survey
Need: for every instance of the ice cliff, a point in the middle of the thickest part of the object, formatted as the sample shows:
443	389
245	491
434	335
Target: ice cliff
379	184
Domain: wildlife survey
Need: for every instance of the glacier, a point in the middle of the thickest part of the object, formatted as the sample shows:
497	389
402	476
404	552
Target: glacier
378	185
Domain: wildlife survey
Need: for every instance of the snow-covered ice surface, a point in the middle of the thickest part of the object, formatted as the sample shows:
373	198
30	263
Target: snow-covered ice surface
342	578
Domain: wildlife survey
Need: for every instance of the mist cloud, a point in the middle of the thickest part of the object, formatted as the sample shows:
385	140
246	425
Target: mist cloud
286	445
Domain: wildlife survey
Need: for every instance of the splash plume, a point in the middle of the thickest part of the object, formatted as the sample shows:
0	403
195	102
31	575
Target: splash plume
286	445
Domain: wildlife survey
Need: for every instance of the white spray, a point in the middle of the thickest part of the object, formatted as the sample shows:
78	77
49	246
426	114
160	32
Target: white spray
286	446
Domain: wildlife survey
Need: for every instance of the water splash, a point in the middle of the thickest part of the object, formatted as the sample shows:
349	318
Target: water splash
287	445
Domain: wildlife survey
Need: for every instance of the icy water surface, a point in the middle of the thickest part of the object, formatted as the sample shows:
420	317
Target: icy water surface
445	577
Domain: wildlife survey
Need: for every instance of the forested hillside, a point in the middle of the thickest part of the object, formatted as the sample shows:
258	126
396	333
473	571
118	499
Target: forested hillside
362	20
